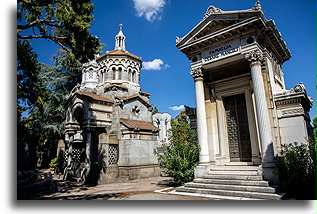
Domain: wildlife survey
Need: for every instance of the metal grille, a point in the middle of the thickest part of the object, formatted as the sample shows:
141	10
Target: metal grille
113	154
66	156
76	155
233	137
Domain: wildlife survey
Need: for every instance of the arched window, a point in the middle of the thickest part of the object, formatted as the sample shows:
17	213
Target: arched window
100	76
120	73
133	76
113	73
104	75
137	76
129	75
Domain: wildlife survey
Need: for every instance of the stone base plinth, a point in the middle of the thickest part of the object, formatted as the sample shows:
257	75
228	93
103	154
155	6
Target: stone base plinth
269	173
201	170
137	172
116	173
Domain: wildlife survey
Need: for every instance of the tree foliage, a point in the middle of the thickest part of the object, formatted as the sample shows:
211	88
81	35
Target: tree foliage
42	89
64	22
155	110
179	158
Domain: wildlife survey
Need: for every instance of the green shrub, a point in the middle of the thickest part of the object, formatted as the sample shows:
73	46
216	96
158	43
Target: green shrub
53	164
297	170
179	158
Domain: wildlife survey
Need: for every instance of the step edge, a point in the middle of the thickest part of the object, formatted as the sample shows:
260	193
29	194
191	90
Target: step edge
259	188
239	192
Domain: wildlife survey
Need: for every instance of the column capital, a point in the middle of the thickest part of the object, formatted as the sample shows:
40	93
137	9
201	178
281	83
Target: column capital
254	57
197	73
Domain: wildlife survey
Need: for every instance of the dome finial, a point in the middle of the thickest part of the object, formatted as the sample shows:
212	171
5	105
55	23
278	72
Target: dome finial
257	6
120	40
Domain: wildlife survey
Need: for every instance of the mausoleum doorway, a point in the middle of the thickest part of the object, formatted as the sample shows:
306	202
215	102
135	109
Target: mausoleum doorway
237	128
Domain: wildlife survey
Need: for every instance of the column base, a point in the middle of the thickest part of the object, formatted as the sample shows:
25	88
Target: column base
269	173
201	170
256	160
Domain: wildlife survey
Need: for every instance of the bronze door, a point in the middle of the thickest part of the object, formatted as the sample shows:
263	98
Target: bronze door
238	128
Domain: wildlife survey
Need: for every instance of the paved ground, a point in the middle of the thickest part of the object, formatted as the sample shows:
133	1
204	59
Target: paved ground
143	189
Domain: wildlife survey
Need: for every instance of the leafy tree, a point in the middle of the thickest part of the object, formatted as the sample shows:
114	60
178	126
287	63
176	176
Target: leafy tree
155	110
64	22
179	158
42	89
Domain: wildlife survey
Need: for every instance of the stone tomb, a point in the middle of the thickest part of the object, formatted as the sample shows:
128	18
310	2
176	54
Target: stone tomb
109	133
244	111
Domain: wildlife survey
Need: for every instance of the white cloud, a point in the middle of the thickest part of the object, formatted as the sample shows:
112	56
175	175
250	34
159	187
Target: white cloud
167	66
155	64
177	108
150	9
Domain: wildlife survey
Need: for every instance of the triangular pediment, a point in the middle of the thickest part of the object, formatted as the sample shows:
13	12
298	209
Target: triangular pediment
135	97
215	23
217	26
215	20
213	27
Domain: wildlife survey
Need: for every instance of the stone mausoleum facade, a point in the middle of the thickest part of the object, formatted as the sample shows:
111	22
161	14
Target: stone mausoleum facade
109	120
244	111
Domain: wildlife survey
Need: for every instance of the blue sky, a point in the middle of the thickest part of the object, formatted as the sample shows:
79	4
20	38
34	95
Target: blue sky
152	25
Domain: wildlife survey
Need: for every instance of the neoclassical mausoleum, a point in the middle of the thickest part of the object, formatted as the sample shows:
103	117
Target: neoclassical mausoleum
109	130
244	111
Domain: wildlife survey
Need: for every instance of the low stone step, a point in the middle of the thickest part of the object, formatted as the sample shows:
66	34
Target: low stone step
231	182
210	196
230	172
239	164
226	187
234	168
266	196
233	177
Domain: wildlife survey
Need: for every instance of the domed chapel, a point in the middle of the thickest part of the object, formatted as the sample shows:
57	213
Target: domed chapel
109	125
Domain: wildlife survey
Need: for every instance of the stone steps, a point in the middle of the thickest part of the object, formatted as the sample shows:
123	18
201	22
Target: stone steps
234	177
239	164
230	193
234	168
211	196
231	187
231	183
227	172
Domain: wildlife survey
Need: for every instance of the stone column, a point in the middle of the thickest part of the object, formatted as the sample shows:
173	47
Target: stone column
255	58
88	146
202	133
68	169
70	148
